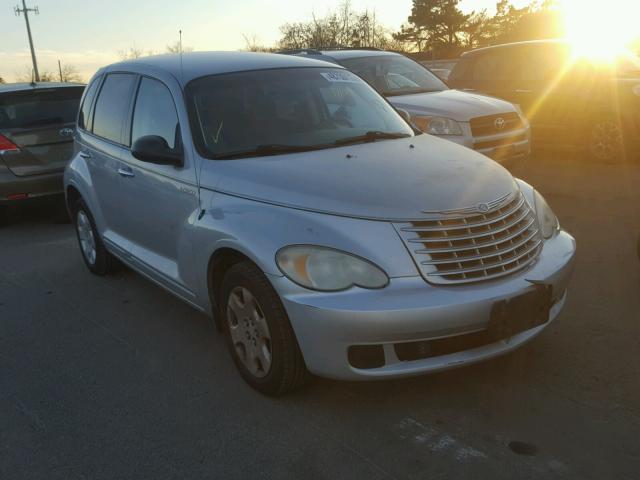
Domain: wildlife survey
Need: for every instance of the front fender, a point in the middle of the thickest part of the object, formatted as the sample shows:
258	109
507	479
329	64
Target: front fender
258	230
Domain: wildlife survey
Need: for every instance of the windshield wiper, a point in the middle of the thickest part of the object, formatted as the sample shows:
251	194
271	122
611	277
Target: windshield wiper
370	136
397	93
270	149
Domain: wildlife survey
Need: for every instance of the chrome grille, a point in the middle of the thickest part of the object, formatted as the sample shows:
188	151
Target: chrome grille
482	126
466	246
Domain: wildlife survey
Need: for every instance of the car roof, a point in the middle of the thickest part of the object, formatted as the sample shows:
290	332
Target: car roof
192	65
353	53
22	87
479	51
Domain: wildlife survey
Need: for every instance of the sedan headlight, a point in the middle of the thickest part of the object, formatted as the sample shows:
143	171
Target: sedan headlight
547	220
437	125
326	269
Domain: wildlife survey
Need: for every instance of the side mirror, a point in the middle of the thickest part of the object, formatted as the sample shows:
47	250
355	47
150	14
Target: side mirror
154	149
404	114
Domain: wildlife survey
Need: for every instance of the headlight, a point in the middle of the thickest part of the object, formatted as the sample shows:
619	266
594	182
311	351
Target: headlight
322	268
437	125
547	220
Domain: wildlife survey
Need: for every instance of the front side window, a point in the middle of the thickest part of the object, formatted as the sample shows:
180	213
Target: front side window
294	109
395	74
39	107
155	113
112	106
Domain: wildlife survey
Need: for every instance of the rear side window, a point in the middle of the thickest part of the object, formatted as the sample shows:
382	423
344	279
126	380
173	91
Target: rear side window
112	106
84	120
155	113
39	107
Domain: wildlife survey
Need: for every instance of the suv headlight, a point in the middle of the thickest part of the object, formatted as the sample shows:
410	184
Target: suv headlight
326	269
547	220
437	125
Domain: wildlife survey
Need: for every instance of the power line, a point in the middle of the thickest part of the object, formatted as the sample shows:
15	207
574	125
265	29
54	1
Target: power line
26	11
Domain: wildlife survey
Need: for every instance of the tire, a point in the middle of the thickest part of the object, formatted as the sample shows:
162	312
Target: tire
101	262
606	139
259	336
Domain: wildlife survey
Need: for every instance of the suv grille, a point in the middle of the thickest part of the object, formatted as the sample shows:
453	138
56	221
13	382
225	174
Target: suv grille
483	126
466	246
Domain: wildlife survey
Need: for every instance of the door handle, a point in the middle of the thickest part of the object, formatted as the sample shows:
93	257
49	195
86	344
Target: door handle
522	91
126	172
85	154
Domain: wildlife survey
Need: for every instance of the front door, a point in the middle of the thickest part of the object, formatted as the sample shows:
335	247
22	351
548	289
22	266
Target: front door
159	201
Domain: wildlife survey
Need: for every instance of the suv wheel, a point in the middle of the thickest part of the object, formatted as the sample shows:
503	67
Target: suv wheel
606	140
260	338
95	256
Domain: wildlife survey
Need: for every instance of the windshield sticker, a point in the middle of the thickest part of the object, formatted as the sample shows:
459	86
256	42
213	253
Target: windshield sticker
338	76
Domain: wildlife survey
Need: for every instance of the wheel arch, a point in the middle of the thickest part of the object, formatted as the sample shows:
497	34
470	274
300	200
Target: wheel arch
219	264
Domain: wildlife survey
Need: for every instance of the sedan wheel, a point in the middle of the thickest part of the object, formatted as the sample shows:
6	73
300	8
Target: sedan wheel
249	331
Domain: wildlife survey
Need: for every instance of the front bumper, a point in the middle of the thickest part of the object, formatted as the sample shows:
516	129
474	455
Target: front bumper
408	310
508	149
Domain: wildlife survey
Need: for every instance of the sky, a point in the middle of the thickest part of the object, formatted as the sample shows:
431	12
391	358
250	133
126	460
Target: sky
89	34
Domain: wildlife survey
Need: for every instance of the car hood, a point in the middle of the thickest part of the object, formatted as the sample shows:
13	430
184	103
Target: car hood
455	104
386	180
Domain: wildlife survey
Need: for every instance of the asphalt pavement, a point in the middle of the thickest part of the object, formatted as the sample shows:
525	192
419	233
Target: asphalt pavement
112	378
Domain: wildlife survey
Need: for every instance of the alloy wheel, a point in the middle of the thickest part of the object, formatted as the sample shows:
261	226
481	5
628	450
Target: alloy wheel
249	331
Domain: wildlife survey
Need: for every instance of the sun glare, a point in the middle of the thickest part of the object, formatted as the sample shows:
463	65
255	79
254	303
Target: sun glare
600	30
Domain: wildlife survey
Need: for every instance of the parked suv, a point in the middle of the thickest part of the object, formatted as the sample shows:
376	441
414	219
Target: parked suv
287	199
488	125
570	101
37	123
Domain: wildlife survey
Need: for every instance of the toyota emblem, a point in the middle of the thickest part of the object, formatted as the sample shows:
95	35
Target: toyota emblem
499	123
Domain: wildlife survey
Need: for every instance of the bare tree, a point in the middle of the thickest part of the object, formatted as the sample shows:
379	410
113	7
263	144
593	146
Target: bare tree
26	75
70	73
252	44
2	80
134	52
342	28
175	48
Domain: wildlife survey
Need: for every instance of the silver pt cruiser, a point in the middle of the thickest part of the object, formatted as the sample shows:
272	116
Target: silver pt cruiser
288	200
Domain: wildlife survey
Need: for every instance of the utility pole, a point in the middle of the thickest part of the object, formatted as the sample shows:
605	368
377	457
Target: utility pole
26	11
60	70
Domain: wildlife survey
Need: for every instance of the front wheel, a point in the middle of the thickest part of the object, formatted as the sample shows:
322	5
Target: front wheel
97	259
260	338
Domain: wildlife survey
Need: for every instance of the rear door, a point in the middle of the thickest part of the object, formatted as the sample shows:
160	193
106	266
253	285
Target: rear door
101	146
41	123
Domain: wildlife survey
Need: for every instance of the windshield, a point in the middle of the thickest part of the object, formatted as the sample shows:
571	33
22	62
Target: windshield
395	74
269	112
